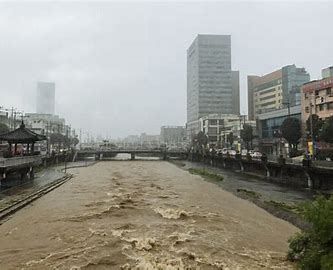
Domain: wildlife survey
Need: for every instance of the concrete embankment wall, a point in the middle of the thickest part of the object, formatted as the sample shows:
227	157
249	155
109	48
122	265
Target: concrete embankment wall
279	172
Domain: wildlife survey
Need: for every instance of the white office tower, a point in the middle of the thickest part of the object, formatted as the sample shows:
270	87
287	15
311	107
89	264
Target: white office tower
45	98
209	78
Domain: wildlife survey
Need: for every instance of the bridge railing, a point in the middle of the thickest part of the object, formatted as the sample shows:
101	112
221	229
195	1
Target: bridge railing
18	161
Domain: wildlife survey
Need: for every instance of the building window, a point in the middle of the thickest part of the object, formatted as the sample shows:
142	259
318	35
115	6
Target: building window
212	131
330	106
307	109
328	91
321	107
212	122
306	95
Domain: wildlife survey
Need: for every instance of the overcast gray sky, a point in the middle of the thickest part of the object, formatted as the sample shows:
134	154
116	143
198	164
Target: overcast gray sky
120	68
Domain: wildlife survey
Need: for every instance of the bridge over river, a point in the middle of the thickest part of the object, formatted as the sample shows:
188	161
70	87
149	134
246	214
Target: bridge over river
163	153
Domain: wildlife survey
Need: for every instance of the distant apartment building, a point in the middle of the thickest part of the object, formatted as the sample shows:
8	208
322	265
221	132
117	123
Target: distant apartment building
209	79
46	124
276	90
172	134
148	139
45	102
317	98
133	139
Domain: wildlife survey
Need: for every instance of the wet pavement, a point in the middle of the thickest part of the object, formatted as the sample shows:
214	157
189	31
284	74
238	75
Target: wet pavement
142	215
22	188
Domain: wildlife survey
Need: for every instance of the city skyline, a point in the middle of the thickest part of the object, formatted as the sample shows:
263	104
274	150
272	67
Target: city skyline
102	81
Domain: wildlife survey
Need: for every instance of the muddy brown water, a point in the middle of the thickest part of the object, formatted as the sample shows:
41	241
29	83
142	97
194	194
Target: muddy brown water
142	215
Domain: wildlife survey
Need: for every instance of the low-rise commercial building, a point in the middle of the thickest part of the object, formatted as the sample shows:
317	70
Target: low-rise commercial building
216	125
269	133
317	98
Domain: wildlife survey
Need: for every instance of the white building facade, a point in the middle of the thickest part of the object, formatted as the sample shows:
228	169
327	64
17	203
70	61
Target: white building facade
209	79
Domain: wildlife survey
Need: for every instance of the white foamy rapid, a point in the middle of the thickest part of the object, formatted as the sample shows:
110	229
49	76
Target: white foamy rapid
142	215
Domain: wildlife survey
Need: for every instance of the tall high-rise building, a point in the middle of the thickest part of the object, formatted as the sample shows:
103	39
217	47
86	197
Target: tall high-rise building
235	92
45	97
209	78
276	90
327	72
252	81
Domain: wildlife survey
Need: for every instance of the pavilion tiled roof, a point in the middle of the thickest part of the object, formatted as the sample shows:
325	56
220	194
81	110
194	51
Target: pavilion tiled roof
21	135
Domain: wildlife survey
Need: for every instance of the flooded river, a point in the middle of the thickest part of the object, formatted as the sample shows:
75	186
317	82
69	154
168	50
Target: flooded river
142	215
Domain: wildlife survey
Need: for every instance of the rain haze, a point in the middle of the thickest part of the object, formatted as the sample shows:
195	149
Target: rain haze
166	135
120	68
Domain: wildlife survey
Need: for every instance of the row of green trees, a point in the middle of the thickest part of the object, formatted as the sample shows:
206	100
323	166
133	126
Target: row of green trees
322	130
57	138
3	128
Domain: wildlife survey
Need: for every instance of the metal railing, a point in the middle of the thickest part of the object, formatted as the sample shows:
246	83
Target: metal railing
17	161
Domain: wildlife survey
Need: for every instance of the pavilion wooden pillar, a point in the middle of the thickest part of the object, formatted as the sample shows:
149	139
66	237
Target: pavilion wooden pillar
32	148
15	149
28	148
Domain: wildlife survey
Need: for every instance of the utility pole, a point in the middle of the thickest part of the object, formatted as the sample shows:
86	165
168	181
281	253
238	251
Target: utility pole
311	127
80	137
47	138
12	124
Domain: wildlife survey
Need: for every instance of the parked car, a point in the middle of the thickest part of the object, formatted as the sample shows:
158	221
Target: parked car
232	152
256	154
224	151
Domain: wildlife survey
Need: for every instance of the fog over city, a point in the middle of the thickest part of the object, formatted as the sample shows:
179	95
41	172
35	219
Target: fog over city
120	68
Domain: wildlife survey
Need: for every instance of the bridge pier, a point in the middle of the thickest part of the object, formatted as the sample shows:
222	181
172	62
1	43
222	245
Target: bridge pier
224	163
241	166
268	174
132	156
4	176
309	180
31	173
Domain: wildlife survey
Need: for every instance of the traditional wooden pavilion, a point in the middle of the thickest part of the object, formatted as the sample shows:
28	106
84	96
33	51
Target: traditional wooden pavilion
22	135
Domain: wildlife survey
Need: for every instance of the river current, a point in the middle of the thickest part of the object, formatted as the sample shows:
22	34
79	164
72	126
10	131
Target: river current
142	215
